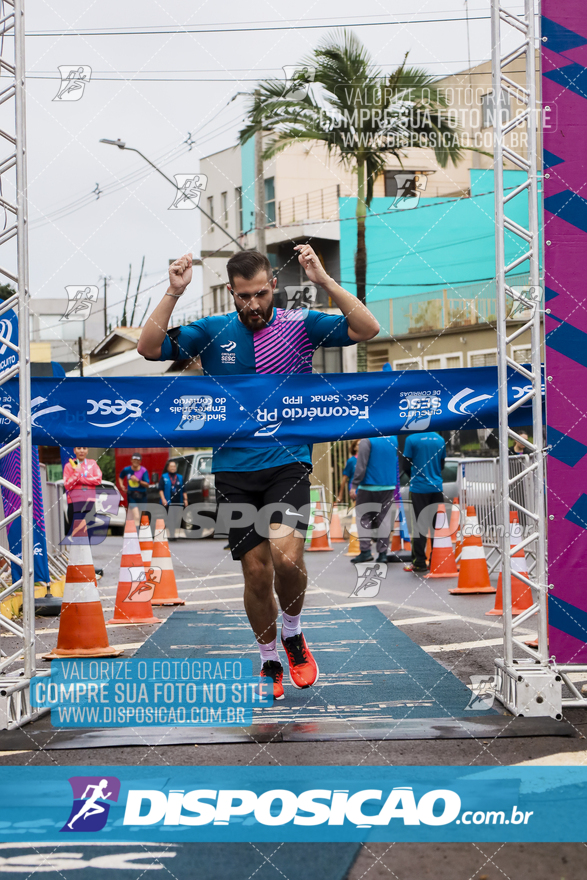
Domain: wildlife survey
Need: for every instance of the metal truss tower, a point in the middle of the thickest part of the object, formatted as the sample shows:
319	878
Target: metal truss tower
15	708
529	687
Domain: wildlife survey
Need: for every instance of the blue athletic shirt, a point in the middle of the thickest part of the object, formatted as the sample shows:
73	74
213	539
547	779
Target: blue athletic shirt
349	468
228	348
427	453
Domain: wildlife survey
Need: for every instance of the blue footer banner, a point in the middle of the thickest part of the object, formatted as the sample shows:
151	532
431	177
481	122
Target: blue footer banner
303	804
260	410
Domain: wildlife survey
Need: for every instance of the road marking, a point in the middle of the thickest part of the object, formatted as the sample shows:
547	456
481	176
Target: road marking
198	589
461	646
413	620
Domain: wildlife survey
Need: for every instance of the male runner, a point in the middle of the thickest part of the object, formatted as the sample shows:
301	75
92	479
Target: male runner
258	338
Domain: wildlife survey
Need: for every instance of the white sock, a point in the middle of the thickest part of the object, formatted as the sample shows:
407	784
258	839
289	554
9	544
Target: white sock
268	651
291	625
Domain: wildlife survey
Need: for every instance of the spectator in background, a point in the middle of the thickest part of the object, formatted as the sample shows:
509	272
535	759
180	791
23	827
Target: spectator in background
81	475
519	448
137	479
348	470
172	493
373	482
423	460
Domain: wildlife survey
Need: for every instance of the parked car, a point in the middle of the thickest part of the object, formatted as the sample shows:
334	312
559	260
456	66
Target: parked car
196	470
108	503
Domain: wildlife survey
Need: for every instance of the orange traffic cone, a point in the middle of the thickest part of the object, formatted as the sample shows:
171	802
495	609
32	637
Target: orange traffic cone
82	631
521	592
336	533
458	548
454	520
320	540
354	547
396	540
428	549
146	541
135	587
474	574
442	563
162	566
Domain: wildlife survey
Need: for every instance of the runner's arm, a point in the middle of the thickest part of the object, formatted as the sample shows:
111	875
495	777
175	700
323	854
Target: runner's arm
362	325
155	330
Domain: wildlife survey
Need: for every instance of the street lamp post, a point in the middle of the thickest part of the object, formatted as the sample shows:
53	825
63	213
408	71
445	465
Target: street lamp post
122	146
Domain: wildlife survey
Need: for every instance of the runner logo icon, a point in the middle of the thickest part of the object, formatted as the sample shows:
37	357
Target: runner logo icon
369	577
227	356
90	802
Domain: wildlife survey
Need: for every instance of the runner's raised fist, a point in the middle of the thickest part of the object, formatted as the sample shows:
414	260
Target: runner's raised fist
180	273
311	264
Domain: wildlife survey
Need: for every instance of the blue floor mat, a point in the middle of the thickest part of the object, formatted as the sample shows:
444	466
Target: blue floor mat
213	861
369	669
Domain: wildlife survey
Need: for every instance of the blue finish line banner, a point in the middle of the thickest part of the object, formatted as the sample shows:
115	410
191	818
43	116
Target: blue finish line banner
303	804
260	410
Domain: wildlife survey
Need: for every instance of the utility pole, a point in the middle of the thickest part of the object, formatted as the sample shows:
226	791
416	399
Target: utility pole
106	279
260	219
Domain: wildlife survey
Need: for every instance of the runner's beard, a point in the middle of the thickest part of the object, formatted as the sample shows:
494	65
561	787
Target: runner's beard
255	320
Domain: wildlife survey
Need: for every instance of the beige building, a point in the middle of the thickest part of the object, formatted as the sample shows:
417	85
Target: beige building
302	189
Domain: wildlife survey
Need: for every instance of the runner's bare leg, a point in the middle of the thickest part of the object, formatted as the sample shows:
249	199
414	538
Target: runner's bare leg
291	577
259	600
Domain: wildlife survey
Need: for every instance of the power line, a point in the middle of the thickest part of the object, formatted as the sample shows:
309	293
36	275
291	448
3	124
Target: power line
232	79
135	176
188	29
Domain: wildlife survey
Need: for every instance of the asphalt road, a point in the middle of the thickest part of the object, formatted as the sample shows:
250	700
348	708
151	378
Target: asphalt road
452	629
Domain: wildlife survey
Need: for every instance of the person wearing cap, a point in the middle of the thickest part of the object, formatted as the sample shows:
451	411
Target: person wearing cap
137	480
172	494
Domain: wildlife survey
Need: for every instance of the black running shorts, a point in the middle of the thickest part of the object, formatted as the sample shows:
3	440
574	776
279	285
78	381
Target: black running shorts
272	495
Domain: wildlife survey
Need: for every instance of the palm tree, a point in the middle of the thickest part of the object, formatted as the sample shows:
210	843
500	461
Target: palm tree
361	115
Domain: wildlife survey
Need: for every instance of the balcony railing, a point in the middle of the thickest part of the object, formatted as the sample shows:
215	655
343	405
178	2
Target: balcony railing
321	204
451	307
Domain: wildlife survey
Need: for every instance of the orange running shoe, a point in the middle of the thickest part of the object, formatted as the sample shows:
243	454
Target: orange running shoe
303	669
274	670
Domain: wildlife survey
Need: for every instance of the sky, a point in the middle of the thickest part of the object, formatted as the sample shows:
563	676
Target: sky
134	94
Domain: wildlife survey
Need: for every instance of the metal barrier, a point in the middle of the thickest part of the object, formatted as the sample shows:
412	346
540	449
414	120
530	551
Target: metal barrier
479	486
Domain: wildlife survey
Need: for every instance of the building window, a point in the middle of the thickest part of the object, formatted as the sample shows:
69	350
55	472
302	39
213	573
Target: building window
522	355
211	212
224	208
488	109
400	180
443	361
238	199
487	358
376	358
51	329
222	301
270	201
408	364
327	360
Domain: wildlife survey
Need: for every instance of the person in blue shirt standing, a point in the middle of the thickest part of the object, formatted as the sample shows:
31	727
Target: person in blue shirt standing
423	460
137	479
373	485
348	471
172	493
259	338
